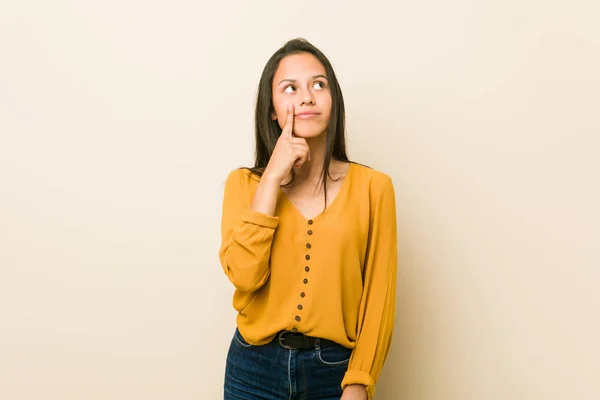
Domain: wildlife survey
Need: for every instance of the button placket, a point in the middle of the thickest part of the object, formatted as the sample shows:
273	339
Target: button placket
308	246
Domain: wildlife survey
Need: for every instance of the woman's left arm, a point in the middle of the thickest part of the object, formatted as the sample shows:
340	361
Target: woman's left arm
378	302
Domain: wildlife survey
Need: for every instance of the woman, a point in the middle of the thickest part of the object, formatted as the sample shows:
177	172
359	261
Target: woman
309	242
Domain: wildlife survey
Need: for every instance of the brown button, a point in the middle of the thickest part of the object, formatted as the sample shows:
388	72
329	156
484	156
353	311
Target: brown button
302	294
294	329
305	280
306	269
307	257
297	318
310	222
308	245
310	232
299	306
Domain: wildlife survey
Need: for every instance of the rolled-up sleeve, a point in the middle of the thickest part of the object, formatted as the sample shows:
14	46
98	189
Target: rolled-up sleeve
377	306
246	236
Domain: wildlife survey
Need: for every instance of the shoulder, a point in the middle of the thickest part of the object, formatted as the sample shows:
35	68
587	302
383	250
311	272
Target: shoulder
377	189
377	182
241	178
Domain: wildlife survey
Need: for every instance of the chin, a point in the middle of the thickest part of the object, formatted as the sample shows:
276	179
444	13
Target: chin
309	133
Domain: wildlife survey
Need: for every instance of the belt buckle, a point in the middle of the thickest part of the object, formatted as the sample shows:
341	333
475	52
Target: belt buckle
280	338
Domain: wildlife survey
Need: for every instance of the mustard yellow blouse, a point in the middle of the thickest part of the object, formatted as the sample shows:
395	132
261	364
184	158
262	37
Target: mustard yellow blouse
340	267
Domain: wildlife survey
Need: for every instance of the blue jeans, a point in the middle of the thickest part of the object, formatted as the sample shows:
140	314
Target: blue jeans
271	372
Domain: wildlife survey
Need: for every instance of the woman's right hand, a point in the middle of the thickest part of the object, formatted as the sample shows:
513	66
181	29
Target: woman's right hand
290	151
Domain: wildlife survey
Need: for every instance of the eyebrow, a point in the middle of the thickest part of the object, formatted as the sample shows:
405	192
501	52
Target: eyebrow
293	80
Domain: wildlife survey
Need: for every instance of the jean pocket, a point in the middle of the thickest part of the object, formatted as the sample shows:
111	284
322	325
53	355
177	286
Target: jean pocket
239	339
334	355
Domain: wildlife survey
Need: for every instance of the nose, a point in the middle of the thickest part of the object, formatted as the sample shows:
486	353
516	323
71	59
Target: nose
306	98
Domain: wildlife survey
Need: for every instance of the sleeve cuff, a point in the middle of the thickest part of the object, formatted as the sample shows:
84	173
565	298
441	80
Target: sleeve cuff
354	377
256	218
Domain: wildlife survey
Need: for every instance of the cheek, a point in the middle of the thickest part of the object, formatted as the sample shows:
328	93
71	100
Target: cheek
327	104
326	99
280	106
280	115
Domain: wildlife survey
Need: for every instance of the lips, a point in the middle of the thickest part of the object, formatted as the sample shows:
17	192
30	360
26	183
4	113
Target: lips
307	114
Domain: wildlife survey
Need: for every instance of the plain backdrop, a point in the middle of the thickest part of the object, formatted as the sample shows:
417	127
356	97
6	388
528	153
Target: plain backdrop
120	120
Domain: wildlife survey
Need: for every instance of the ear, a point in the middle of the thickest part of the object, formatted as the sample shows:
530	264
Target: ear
273	116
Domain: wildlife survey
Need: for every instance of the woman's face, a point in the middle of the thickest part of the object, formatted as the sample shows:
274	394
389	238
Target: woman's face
301	80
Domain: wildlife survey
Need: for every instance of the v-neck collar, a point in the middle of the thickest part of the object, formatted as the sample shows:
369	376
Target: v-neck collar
333	202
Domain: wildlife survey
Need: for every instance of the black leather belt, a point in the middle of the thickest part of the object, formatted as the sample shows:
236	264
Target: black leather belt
296	340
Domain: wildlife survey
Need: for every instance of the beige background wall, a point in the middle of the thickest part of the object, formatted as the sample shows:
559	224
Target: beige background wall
119	121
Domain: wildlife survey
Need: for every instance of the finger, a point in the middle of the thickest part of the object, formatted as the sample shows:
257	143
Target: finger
299	140
297	157
302	142
301	157
303	146
307	147
289	122
300	161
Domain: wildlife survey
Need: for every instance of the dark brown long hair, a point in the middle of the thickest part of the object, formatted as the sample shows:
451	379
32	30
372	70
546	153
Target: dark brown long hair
267	131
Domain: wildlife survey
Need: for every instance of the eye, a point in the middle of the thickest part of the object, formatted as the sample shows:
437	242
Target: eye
319	84
289	89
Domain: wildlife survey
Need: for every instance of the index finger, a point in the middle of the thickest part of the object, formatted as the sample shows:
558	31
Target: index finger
289	121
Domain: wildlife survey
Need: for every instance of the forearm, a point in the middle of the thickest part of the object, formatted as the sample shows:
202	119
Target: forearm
267	192
246	250
247	234
355	392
